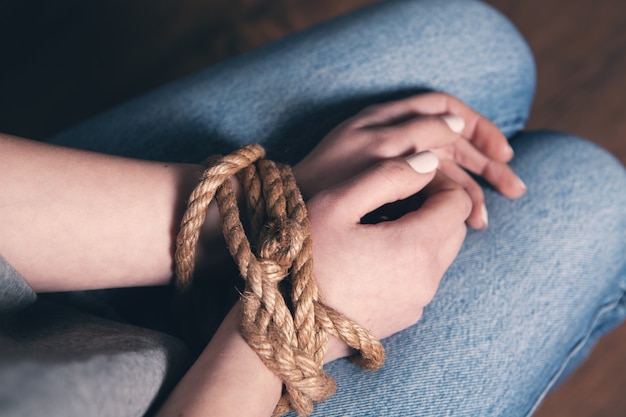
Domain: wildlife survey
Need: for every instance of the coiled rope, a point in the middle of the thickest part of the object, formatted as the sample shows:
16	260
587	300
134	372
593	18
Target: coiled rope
283	318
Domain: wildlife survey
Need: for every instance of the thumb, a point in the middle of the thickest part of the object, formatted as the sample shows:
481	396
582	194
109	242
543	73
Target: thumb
386	182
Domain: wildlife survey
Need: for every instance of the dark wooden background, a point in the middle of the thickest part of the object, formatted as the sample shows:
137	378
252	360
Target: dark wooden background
63	61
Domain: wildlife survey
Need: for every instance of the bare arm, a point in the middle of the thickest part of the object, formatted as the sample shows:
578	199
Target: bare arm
77	220
228	379
341	187
72	219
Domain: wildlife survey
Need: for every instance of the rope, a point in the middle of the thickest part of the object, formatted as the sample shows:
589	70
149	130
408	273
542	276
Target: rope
289	336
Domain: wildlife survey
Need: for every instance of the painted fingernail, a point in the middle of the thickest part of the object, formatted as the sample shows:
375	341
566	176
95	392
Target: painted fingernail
454	122
511	152
484	215
423	162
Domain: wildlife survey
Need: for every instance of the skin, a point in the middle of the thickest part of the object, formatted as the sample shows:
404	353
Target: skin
62	224
66	214
412	125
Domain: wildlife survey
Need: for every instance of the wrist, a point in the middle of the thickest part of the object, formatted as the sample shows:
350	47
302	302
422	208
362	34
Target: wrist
336	349
303	176
227	379
211	250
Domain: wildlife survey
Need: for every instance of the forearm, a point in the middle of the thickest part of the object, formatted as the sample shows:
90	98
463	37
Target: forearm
71	219
228	379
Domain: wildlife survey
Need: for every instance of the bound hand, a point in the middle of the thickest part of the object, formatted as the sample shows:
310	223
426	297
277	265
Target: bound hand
382	275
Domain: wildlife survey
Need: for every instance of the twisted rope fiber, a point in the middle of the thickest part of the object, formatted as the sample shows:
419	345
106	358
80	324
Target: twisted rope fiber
290	339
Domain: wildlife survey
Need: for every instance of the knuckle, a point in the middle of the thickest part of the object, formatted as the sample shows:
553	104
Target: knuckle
477	193
433	123
492	169
447	98
352	124
392	169
361	119
383	144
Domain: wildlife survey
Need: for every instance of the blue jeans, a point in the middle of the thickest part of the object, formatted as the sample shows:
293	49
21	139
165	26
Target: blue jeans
525	299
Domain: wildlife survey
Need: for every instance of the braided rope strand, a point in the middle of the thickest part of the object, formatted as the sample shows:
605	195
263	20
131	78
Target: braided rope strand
291	340
198	204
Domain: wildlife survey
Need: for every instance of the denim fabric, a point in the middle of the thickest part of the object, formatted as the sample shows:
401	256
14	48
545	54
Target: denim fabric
289	94
526	298
523	301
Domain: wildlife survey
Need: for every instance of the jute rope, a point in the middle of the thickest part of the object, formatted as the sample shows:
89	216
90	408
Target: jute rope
283	318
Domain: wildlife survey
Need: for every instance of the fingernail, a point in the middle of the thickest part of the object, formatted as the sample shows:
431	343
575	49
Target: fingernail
521	184
511	152
455	123
484	215
423	162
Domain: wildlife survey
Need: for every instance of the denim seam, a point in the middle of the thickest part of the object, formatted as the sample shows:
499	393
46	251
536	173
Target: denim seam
577	348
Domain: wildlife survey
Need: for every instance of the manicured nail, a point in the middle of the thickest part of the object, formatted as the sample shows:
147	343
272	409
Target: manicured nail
455	123
423	162
511	152
484	215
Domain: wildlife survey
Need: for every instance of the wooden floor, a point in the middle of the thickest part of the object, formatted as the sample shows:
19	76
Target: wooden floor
66	60
580	48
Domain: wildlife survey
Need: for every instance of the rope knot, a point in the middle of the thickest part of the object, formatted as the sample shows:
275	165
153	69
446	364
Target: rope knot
281	240
273	271
289	337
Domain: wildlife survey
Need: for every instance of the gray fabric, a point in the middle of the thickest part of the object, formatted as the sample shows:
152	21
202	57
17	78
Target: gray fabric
15	293
74	364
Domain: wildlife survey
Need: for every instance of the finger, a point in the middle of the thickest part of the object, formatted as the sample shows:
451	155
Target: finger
480	131
444	210
484	134
488	138
430	132
420	133
478	218
395	111
446	204
496	173
414	135
386	182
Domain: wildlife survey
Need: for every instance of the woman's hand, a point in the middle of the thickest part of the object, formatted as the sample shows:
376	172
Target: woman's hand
379	275
461	138
382	275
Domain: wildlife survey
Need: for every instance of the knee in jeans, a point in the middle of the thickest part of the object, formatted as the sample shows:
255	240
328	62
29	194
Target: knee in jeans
579	164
